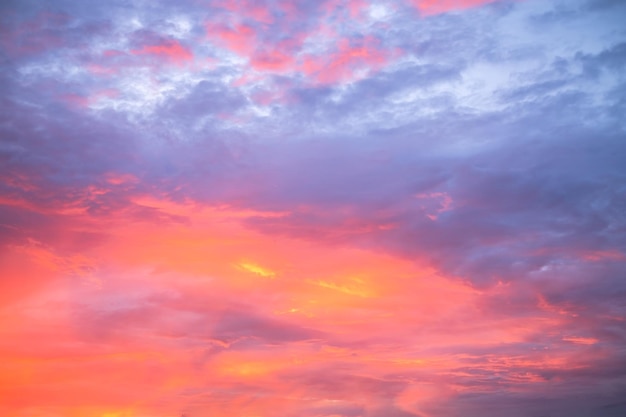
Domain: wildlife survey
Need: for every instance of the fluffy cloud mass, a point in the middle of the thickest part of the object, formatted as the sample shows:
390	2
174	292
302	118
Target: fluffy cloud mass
333	208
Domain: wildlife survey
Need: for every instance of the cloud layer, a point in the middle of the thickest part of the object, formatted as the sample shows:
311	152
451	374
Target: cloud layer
314	208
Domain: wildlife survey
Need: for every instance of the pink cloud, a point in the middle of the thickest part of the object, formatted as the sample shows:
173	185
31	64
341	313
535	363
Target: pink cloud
240	38
432	7
357	8
170	50
101	70
76	100
36	35
346	63
87	100
257	11
350	60
354	8
273	61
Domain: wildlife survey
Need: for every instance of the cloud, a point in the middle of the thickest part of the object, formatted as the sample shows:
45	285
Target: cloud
429	7
170	51
239	324
312	208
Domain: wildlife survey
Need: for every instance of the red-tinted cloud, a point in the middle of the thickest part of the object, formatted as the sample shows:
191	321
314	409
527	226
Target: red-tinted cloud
347	59
240	38
431	7
170	50
347	62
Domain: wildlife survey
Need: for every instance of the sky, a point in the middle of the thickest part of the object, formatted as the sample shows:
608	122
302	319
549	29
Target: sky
313	208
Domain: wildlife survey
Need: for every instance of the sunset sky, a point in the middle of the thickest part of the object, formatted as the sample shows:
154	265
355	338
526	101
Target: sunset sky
313	208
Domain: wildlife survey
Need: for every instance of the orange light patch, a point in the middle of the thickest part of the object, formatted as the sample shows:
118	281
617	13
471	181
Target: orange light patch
256	269
581	340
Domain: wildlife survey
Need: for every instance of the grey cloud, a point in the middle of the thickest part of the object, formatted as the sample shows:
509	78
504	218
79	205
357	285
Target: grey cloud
236	324
208	98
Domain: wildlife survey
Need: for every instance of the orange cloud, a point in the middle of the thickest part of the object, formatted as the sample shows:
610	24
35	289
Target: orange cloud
256	269
581	340
177	306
